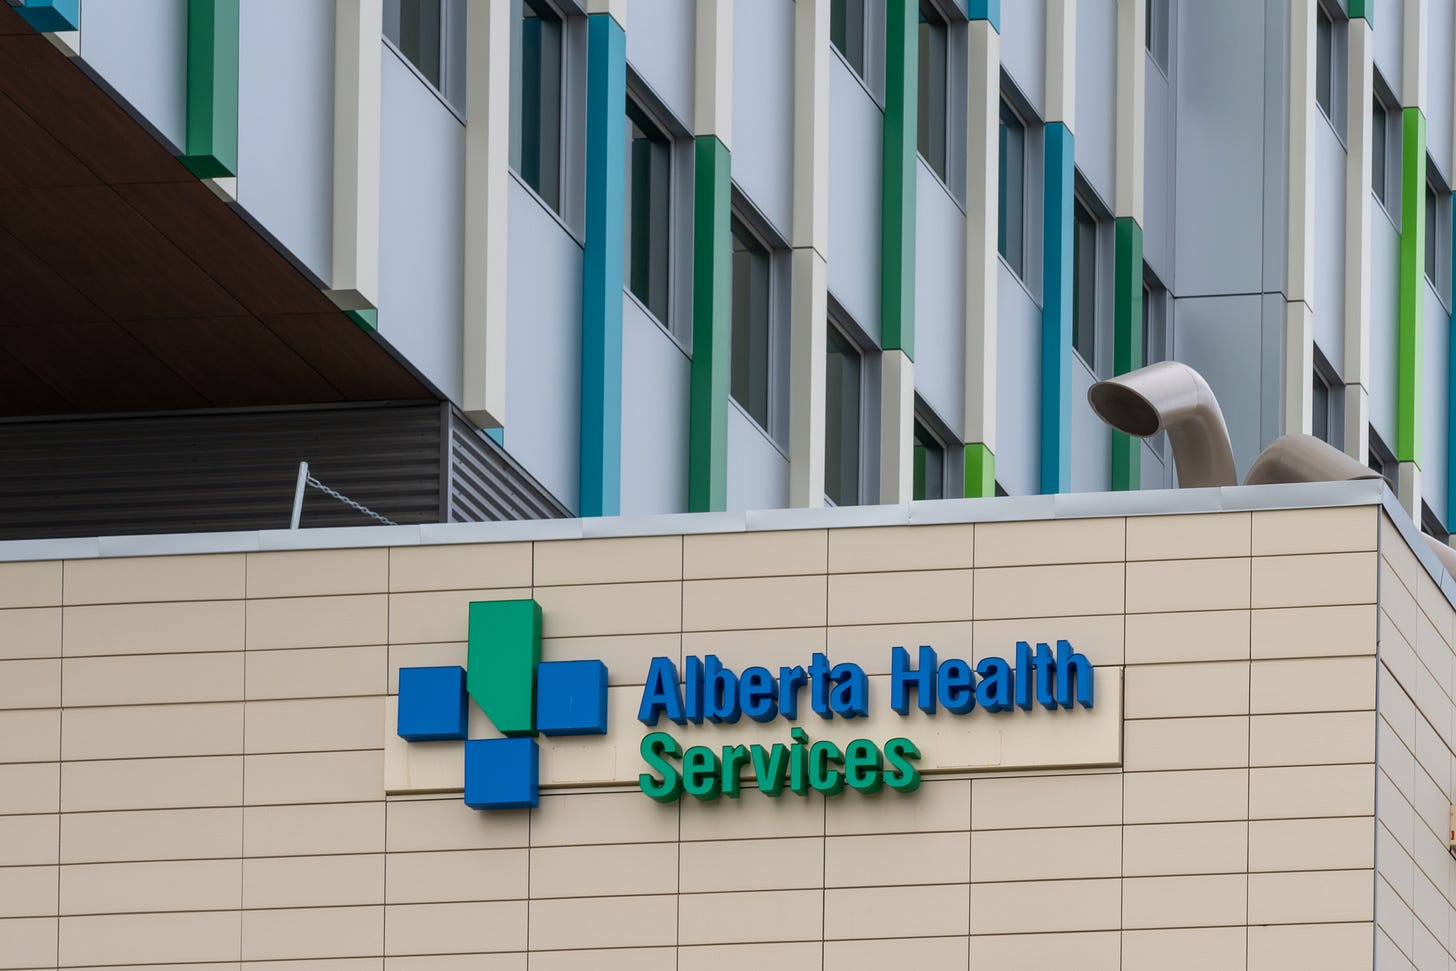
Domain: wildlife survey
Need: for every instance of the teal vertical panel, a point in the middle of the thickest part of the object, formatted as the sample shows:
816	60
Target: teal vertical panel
212	88
601	291
1056	313
985	10
51	16
712	327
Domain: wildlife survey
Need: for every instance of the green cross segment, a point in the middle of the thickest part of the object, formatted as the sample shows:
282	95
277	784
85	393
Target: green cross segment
500	674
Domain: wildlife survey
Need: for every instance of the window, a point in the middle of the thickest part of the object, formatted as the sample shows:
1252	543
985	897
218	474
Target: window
1155	320
1012	191
430	34
847	31
1432	525
1157	33
1324	42
930	131
1382	459
647	260
537	146
1320	407
930	465
1384	149
752	310
842	396
1084	285
1433	210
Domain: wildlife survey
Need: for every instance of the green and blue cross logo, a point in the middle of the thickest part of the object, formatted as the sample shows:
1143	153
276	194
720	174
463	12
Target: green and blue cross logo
520	694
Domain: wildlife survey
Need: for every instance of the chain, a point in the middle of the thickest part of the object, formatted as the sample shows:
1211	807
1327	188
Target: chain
349	502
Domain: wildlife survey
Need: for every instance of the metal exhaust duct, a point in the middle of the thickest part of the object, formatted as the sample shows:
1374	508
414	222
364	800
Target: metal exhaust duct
1444	553
1172	397
1304	458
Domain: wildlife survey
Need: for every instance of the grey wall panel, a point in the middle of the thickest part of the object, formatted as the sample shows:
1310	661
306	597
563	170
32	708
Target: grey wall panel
856	126
140	48
940	299
1158	234
286	125
1023	49
1091	439
1018	387
1384	297
1275	146
1389	16
1155	474
1441	27
758	473
763	107
1095	123
421	226
654	416
543	346
1329	244
1220	103
1216	336
660	38
1435	400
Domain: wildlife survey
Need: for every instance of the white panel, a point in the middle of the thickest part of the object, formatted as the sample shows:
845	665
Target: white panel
855	131
763	106
1091	438
140	48
1218	336
1434	402
1221	106
1023	49
940	299
1384	334
660	51
758	473
1386	24
285	125
654	415
1097	93
543	344
1018	387
421	229
1329	243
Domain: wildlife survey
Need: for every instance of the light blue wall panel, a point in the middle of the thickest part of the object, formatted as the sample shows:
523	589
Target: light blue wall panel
543	346
940	299
1091	439
654	416
1023	52
763	107
1388	17
421	225
1215	335
1095	128
1018	387
660	50
1155	475
855	131
758	473
1158	147
1219	197
1384	272
1435	399
140	48
286	125
1329	243
1439	64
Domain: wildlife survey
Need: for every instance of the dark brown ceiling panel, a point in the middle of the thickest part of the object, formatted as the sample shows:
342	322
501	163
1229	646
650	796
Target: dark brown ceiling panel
33	293
347	357
69	105
10	22
29	156
237	360
98	367
22	393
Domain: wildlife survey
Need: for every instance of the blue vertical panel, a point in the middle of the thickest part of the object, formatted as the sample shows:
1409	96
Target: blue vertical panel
1056	314
51	16
985	10
601	291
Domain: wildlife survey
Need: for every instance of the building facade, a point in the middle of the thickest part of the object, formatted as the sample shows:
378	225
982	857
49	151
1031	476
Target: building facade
700	256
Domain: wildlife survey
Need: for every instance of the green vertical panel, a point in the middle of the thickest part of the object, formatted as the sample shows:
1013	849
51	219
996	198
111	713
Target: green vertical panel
980	472
712	328
503	651
1127	340
212	88
897	256
1410	315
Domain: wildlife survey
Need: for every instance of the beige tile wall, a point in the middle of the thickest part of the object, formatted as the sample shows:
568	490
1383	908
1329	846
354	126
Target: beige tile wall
212	793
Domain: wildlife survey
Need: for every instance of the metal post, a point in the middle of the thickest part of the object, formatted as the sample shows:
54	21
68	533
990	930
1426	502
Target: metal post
298	494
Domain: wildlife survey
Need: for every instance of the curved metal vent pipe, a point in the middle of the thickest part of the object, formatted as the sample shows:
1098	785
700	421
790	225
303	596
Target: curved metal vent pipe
1444	553
1172	397
1304	458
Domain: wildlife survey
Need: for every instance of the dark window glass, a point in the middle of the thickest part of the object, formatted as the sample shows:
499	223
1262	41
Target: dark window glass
749	380
930	133
1433	237
1320	408
842	420
1084	286
1012	190
1157	32
414	26
929	458
649	187
540	127
1379	149
1324	44
847	31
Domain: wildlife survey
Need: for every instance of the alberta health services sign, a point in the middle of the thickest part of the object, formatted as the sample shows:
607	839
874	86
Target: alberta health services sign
704	729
